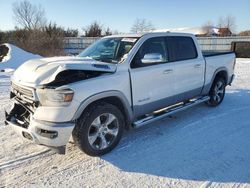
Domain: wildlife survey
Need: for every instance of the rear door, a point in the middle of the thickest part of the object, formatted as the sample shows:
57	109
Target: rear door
152	83
189	68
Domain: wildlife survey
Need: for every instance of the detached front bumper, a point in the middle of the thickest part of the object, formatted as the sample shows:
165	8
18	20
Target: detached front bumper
40	132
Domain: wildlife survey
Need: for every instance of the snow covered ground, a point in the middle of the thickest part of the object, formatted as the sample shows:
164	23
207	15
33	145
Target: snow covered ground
199	147
9	64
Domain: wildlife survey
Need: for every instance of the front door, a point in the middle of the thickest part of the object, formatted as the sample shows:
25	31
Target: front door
152	80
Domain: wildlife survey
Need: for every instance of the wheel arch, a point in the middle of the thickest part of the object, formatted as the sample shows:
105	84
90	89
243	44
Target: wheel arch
220	72
112	97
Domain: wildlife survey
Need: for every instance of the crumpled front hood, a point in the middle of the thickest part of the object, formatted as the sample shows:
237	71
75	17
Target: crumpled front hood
43	71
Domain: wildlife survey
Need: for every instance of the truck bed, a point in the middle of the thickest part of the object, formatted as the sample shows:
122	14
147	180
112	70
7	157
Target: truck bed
215	53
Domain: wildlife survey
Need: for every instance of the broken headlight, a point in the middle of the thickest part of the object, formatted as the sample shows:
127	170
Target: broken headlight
53	97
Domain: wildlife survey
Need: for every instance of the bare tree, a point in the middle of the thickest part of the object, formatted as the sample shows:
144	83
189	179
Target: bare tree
71	32
207	27
107	32
221	22
227	22
93	30
116	32
141	25
230	23
29	16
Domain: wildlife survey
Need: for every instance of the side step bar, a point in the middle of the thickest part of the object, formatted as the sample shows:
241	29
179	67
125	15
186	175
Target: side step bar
168	111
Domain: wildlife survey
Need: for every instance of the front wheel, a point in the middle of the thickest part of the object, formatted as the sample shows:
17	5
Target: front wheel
99	129
217	92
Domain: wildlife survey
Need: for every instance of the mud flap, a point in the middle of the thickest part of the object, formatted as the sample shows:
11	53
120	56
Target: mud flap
59	150
7	117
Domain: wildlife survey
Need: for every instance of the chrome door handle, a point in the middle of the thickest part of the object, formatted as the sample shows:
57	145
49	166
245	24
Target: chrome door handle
197	66
167	71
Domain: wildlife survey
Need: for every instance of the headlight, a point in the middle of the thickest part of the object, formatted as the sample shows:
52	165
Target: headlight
53	97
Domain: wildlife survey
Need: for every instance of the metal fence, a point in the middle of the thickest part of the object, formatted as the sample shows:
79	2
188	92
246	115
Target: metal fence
74	45
220	43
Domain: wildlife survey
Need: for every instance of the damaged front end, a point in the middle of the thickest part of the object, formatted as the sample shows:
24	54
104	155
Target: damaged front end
23	108
71	76
43	99
20	118
24	105
19	114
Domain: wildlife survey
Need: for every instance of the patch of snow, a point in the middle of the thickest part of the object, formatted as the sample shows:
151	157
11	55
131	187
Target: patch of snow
14	58
199	147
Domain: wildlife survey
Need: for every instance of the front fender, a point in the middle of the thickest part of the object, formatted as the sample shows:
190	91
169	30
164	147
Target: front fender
103	95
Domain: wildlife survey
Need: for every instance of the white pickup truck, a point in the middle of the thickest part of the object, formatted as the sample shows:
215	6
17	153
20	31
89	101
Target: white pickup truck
117	83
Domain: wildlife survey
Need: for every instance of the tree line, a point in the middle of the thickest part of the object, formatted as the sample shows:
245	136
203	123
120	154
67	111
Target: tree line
34	33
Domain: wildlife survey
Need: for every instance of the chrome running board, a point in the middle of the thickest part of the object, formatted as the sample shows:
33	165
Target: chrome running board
157	115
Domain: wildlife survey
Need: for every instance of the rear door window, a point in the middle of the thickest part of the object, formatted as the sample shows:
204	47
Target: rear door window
181	48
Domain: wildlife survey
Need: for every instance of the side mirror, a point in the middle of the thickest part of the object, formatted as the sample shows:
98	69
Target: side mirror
152	58
124	57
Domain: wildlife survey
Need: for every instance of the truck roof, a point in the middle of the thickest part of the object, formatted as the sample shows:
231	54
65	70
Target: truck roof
138	35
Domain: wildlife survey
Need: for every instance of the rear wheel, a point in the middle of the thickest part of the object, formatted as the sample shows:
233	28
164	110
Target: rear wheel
99	129
217	92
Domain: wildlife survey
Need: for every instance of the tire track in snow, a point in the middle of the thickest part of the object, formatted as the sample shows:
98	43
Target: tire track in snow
24	159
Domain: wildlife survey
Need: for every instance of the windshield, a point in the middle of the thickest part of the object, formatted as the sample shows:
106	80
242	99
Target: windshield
109	50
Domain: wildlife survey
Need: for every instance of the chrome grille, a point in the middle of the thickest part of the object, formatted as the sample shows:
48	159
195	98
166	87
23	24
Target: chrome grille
27	93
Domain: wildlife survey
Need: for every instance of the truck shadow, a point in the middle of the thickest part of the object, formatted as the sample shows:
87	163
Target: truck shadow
202	143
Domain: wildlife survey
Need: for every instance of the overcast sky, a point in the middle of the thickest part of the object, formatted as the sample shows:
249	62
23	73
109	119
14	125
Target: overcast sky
120	15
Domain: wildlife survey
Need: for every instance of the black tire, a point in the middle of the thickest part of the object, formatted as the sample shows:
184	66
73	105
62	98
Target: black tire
91	126
217	92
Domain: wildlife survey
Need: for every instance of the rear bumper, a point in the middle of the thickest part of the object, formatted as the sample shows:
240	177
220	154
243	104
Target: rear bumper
40	132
